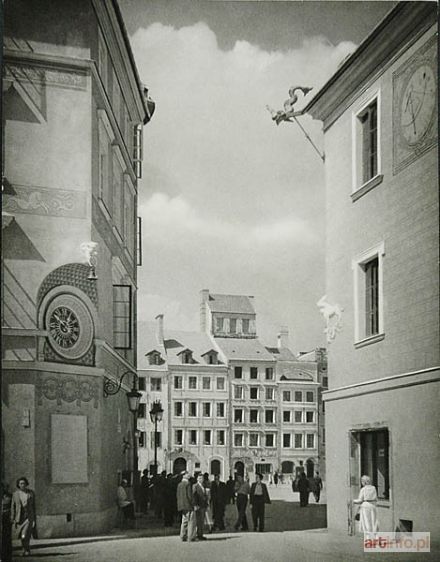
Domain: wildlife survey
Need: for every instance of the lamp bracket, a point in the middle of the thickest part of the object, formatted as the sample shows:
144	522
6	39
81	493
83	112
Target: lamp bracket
111	387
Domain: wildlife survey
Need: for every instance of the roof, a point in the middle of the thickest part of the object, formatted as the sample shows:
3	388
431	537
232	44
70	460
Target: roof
146	344
177	342
238	304
281	354
297	371
240	349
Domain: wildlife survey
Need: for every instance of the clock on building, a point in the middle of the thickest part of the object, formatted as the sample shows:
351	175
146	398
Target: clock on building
414	106
69	326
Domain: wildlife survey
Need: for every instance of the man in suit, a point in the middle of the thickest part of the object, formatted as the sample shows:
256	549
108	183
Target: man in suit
219	498
259	497
185	506
200	502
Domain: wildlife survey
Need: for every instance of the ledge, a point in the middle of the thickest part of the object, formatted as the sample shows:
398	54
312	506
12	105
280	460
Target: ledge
369	341
371	184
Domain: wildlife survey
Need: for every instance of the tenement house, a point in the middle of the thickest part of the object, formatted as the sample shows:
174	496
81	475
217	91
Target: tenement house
379	114
73	112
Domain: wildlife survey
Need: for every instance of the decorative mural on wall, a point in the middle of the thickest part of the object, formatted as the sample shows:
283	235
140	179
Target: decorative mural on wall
67	389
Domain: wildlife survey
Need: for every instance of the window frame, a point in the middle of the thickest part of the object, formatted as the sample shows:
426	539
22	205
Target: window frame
129	317
175	379
191	379
157	382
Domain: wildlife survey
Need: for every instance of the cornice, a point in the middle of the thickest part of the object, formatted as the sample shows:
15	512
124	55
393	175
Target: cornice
404	25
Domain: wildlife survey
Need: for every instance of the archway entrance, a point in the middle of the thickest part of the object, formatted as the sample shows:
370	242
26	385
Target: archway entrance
310	466
215	467
239	468
287	467
179	465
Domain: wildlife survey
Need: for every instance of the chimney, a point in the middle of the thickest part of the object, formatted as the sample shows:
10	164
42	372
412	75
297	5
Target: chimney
283	337
204	296
159	329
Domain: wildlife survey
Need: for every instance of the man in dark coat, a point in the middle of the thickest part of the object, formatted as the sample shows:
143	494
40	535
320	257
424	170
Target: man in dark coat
259	497
304	489
200	502
230	485
317	487
219	498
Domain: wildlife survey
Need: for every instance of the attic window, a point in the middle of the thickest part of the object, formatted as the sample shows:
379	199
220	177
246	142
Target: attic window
187	357
154	358
211	358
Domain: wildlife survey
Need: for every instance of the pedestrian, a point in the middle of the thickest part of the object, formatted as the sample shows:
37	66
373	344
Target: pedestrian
208	513
367	500
230	484
186	509
219	499
23	515
259	497
275	478
6	538
242	490
168	501
145	491
317	487
304	489
200	502
124	503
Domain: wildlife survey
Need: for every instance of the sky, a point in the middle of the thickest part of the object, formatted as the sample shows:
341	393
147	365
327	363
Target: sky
229	201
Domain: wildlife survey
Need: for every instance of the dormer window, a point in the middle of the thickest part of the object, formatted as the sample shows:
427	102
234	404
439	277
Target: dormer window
186	356
154	358
211	357
219	322
245	325
233	325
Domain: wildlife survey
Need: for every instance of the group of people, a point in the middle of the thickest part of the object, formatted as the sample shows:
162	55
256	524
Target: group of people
18	518
305	485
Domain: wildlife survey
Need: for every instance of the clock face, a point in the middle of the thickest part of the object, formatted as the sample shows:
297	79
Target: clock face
418	104
69	326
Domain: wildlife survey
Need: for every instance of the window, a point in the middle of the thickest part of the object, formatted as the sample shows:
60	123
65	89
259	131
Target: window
369	142
155	384
141	383
286	416
253	439
270	416
245	326
178	437
232	325
254	393
374	452
187	357
137	150
122	316
139	242
178	382
117	189
253	416
269	373
310	440
298	441
254	372
323	407
178	409
270	440
220	409
238	415
154	358
159	439
211	358
220	383
323	435
192	409
238	439
129	216
142	439
324	382
193	437
238	372
192	383
368	295
286	439
309	417
103	60
220	437
206	383
298	417
207	437
286	395
298	396
219	324
142	412
270	392
206	409
310	397
238	392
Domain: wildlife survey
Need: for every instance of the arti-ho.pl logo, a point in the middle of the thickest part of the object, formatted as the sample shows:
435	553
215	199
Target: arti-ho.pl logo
397	542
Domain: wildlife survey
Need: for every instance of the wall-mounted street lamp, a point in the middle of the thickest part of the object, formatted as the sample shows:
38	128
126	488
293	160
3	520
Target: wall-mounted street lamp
133	397
156	414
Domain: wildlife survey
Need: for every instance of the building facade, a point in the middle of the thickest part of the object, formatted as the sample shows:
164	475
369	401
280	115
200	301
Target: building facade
73	112
379	114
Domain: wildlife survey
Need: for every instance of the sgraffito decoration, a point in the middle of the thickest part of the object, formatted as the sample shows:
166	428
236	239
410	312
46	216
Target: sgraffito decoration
67	389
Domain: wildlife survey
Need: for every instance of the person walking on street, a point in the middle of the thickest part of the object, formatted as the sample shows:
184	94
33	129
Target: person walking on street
317	487
200	502
186	508
145	490
219	497
259	497
23	515
275	478
304	489
242	490
230	484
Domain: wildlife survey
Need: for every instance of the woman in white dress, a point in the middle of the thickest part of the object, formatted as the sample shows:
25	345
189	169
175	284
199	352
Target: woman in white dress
367	500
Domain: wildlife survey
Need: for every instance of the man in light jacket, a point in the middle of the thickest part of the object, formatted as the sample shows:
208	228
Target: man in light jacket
186	508
259	497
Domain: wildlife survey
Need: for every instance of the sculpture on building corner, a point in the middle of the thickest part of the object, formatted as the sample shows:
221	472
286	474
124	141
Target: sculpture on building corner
332	314
90	251
289	112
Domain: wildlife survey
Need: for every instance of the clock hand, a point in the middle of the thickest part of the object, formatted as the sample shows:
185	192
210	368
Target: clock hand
410	101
